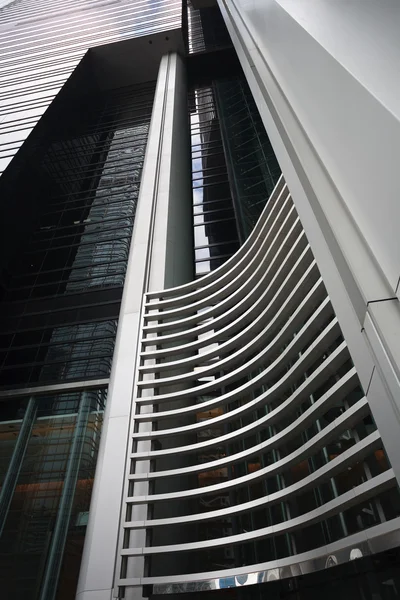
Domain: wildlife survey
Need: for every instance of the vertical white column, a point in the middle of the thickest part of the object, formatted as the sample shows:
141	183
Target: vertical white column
160	256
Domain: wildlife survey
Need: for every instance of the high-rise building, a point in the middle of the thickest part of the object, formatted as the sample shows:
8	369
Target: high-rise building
199	287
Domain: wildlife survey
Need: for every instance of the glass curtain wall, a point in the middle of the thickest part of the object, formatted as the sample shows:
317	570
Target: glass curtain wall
234	169
61	291
214	220
253	167
206	29
63	286
48	453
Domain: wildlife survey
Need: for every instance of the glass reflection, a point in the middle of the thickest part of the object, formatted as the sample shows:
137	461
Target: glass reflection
64	279
49	463
215	231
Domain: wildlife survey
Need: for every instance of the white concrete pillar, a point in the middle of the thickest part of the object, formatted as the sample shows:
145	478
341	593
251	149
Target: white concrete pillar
161	255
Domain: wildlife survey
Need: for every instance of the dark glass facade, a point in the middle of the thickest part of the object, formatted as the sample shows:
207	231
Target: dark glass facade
234	168
206	30
254	169
62	285
214	220
51	442
69	201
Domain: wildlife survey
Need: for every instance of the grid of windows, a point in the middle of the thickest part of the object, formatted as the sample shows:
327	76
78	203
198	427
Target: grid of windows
62	287
214	220
206	29
254	169
48	453
234	168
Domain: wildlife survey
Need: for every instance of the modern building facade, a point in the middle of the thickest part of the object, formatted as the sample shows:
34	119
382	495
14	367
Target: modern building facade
199	330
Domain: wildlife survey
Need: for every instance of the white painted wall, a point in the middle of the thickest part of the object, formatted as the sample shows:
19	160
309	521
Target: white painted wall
337	63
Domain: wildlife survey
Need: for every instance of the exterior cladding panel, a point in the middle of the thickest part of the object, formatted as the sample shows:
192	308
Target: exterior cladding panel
328	97
41	43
